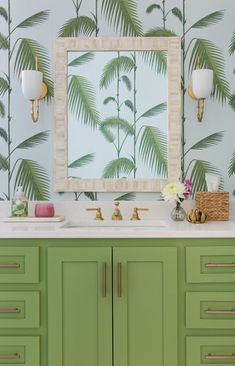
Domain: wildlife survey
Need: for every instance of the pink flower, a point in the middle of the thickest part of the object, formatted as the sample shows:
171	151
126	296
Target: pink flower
188	188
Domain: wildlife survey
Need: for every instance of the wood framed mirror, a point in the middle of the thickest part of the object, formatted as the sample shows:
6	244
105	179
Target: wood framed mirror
117	114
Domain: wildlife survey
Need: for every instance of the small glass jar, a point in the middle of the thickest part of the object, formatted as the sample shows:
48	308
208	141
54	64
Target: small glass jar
178	213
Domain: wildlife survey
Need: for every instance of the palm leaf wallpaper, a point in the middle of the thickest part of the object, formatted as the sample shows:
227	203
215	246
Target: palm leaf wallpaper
28	29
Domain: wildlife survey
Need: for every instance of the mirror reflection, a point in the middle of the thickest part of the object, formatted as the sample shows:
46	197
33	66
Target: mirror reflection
117	115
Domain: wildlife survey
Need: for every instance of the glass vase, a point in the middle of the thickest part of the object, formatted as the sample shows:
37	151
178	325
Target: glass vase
178	213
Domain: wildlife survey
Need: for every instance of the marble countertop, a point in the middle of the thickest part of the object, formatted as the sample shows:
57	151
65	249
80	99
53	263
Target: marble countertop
75	211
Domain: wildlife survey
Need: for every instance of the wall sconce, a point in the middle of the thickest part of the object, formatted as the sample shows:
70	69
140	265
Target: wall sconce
33	89
200	88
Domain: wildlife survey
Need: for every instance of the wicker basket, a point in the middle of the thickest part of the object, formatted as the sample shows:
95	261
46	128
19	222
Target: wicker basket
215	204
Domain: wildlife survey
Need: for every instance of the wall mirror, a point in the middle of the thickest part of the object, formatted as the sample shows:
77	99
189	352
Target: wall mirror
118	114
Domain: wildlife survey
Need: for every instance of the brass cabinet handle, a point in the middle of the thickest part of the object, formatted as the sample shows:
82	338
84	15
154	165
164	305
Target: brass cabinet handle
221	265
10	310
209	311
15	356
220	357
104	279
119	275
9	265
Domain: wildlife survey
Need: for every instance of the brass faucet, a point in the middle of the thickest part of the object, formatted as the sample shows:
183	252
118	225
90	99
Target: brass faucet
135	215
117	213
98	215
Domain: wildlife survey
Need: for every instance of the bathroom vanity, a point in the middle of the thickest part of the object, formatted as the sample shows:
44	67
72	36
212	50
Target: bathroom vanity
117	296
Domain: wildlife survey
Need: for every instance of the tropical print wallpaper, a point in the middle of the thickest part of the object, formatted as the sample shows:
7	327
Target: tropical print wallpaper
29	29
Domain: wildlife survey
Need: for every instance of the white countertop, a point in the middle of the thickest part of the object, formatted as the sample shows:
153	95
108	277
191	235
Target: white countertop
74	211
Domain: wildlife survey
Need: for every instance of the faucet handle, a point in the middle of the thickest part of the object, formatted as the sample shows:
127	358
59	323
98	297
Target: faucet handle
135	215
98	215
117	213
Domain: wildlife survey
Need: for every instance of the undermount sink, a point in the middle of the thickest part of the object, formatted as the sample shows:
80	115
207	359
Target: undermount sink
114	224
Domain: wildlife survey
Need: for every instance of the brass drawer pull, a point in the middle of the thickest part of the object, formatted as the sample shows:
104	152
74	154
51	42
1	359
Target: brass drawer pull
220	265
220	357
232	311
119	273
16	356
10	311
9	265
104	279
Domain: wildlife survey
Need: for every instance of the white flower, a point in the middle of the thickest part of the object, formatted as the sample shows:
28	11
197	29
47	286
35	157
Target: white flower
174	192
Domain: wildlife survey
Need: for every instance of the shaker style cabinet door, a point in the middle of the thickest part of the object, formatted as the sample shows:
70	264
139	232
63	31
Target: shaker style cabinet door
79	307
145	306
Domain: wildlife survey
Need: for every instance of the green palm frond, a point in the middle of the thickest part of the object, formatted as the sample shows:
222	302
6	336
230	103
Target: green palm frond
4	164
91	195
33	179
2	109
232	101
210	57
121	123
208	141
177	13
3	134
123	16
126	81
153	150
128	103
117	167
108	135
83	59
81	101
208	20
157	60
3	13
150	8
3	42
154	111
232	44
114	67
35	19
74	27
83	160
231	168
160	32
34	140
4	86
108	100
131	196
26	54
200	168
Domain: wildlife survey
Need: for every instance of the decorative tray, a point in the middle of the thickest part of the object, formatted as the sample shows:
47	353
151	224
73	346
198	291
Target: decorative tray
34	219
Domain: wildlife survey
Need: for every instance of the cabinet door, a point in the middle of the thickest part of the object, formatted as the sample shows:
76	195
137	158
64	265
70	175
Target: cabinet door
79	307
145	306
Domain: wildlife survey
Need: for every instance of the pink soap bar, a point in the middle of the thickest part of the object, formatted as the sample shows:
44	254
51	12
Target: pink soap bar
44	210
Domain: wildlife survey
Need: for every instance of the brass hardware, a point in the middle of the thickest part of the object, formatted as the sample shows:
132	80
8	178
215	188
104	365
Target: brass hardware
220	265
16	356
104	279
117	213
34	110
135	215
10	311
98	215
220	357
119	275
209	311
9	265
200	103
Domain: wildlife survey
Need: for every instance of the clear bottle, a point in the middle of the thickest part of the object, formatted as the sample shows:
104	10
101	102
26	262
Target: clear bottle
19	204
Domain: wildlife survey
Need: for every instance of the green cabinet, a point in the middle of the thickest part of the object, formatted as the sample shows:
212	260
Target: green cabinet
112	306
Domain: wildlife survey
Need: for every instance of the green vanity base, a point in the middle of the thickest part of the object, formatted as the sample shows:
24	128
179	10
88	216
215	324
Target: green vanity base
117	302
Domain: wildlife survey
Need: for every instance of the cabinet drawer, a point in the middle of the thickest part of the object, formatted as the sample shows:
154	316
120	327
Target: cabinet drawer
203	351
19	350
19	265
19	309
210	310
210	264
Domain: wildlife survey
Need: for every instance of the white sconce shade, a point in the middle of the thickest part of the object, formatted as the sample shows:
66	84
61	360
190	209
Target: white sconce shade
32	84
202	83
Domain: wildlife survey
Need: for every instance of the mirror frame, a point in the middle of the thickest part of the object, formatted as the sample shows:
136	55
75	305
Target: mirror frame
63	45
